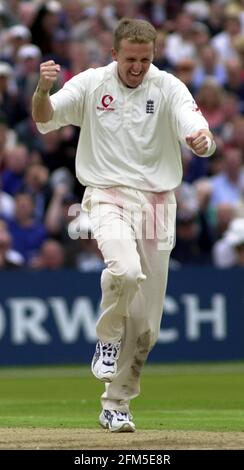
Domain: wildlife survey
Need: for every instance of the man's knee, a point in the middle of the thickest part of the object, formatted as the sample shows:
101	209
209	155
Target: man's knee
133	276
129	273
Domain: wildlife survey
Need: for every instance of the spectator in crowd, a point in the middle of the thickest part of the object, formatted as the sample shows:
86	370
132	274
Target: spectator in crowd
28	135
56	218
200	36
239	46
25	12
3	139
14	37
7	204
27	70
215	18
230	108
209	66
60	48
51	256
199	170
154	11
179	44
6	16
184	70
46	21
10	101
106	41
194	239
229	251
228	185
160	60
58	149
223	42
221	217
27	234
79	59
16	161
124	8
36	183
235	83
210	98
237	135
9	258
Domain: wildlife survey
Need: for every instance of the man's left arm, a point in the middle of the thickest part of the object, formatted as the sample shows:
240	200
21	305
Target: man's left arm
191	126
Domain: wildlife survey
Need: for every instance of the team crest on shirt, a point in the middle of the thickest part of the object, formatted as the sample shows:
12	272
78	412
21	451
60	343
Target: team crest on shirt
150	107
105	103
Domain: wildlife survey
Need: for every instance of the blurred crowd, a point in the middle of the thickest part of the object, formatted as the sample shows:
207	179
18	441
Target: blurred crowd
201	42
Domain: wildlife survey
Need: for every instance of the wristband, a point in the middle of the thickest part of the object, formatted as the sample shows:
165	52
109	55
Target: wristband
209	141
211	147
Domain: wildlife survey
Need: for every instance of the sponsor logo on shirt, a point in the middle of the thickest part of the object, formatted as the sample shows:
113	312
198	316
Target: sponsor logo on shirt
106	102
150	107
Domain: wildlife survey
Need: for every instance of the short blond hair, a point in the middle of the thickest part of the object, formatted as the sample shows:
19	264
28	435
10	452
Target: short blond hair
134	30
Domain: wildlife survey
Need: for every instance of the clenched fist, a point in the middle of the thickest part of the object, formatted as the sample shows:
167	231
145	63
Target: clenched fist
48	75
201	142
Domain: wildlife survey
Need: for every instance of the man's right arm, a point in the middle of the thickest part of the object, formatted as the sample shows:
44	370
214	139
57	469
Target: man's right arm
42	110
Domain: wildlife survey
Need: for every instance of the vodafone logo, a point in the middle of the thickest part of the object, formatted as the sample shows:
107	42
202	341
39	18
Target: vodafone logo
106	102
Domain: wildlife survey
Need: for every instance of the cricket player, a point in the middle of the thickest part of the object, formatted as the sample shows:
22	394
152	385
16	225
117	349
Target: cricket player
132	118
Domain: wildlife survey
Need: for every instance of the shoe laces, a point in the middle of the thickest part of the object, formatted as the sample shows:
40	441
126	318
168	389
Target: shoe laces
110	352
122	415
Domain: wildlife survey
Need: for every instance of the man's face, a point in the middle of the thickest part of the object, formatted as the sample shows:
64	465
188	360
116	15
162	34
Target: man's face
134	60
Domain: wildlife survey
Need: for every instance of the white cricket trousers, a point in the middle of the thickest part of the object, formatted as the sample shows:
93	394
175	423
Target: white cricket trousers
135	231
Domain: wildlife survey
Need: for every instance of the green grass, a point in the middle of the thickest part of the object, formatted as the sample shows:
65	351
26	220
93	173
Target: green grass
202	397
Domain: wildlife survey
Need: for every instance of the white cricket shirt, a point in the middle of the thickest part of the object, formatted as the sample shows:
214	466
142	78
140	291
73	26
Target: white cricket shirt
128	137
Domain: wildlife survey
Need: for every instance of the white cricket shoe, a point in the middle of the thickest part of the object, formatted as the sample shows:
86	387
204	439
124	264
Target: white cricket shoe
104	362
116	421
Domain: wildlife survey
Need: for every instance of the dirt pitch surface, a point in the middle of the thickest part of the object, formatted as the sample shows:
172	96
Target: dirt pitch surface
37	438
